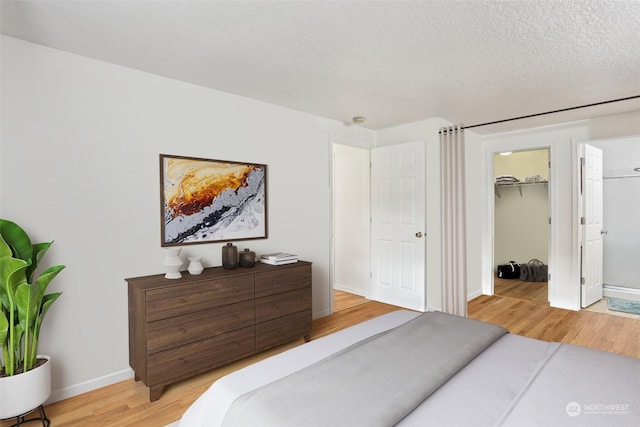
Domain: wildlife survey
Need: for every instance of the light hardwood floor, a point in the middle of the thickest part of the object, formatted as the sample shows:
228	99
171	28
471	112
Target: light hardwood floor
533	291
539	292
600	331
127	404
343	300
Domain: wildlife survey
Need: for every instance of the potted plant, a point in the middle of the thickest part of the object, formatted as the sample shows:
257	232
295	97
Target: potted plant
25	376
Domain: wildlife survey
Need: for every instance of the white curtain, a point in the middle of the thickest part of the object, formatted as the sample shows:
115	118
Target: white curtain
454	237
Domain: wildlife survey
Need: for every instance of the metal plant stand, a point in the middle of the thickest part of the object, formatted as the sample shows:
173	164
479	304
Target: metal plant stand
20	419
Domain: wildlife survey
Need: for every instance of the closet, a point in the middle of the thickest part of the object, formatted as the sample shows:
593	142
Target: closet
521	211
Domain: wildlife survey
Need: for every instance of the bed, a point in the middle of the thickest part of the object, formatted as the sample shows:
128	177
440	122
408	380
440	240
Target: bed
426	369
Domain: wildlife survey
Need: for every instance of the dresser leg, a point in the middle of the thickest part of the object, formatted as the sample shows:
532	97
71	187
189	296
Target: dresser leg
307	338
155	392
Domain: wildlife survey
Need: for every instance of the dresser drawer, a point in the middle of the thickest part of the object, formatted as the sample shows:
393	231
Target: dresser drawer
182	362
279	305
176	331
282	330
282	280
187	298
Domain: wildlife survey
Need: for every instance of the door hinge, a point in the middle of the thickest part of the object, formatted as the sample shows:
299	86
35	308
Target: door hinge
582	161
549	278
582	281
549	220
549	164
582	221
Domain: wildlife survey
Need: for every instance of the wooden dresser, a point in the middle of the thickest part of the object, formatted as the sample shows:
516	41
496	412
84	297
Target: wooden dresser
179	328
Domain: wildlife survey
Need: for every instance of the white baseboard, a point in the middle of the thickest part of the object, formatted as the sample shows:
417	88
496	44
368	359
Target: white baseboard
348	289
319	314
620	292
74	390
474	294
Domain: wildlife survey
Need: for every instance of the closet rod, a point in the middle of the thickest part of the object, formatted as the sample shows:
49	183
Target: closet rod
620	176
552	112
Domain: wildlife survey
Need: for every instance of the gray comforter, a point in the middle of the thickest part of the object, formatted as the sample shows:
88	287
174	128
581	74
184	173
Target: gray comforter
397	370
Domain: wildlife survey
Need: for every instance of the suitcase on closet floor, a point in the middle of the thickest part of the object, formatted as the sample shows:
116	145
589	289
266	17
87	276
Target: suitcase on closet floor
509	271
534	271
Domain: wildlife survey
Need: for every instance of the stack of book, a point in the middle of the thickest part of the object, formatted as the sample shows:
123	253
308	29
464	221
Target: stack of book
278	258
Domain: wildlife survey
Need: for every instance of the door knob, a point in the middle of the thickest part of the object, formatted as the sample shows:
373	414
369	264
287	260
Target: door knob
603	232
419	234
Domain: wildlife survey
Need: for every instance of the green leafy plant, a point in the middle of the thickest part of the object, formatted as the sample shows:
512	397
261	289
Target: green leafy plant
23	303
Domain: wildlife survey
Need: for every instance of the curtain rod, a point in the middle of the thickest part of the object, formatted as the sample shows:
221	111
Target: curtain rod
552	112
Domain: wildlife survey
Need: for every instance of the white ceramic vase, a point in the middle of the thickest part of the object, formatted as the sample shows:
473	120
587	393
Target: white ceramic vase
172	263
195	265
24	392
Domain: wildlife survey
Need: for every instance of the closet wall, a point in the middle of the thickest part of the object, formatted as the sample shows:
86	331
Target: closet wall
521	211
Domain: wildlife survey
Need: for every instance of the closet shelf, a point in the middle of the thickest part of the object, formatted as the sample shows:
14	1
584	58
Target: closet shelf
518	185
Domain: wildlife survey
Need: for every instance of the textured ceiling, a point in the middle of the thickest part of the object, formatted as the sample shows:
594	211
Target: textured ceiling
393	62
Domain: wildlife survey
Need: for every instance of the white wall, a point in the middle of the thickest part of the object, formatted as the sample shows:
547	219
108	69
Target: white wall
475	169
79	164
351	219
564	288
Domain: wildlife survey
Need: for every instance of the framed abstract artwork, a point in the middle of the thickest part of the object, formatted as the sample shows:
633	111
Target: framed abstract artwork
206	201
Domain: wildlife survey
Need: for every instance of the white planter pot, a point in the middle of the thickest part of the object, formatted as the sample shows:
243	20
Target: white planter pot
22	393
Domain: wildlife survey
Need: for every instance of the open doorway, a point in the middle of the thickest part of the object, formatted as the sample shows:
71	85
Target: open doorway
350	223
379	219
521	224
619	292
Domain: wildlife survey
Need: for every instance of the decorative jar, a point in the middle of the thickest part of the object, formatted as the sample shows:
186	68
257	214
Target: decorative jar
247	258
172	263
195	265
229	256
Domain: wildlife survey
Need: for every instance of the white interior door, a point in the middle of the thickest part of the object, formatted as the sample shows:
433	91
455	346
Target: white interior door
398	225
592	228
